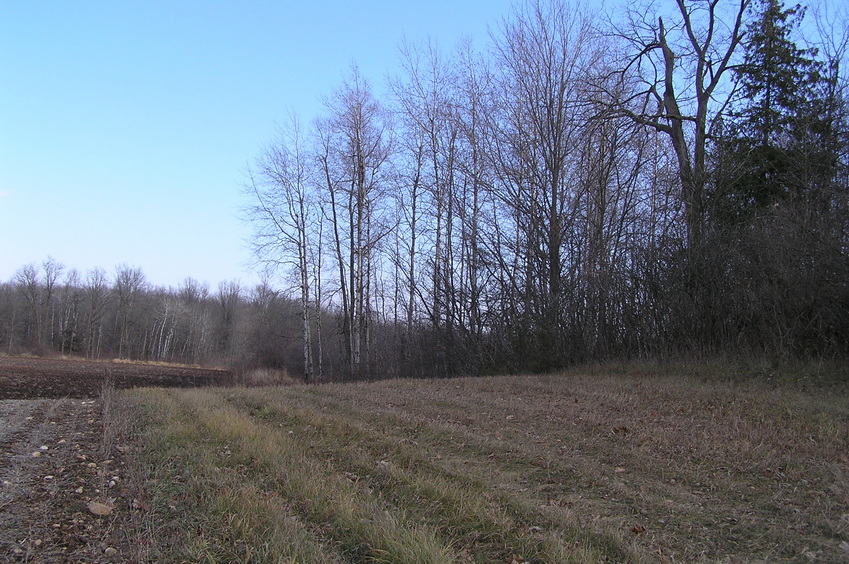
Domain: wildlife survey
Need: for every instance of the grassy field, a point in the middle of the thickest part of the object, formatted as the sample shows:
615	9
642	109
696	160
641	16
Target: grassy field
636	464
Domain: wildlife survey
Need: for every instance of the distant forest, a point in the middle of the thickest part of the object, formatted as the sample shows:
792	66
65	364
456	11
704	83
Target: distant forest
660	183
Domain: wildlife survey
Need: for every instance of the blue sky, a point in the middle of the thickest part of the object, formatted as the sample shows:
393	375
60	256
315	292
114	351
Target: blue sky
126	127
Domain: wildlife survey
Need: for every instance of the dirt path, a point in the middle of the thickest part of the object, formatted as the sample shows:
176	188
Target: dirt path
61	500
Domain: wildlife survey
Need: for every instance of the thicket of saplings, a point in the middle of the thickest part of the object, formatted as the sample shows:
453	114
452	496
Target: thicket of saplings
571	193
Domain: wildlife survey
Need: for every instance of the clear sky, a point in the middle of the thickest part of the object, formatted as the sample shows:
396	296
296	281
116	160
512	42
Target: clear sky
126	126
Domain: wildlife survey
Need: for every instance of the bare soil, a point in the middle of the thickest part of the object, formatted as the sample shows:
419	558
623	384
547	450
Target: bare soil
53	466
27	378
64	488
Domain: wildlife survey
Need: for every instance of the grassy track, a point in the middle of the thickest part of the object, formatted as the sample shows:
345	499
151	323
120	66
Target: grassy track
570	468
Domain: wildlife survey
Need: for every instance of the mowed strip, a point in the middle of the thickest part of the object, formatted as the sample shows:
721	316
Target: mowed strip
545	469
398	462
204	493
673	466
349	494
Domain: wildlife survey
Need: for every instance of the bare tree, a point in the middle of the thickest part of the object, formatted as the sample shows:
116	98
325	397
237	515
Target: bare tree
423	95
193	299
129	283
70	299
354	147
474	86
543	54
52	270
8	313
96	292
316	260
227	300
165	320
26	279
282	216
684	66
408	178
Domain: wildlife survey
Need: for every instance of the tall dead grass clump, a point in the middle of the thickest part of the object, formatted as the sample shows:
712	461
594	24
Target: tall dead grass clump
113	426
257	377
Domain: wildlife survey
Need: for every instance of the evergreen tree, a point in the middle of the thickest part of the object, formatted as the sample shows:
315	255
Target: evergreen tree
776	143
778	226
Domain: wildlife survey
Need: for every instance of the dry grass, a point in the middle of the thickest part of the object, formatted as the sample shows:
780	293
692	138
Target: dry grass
267	377
148	363
645	462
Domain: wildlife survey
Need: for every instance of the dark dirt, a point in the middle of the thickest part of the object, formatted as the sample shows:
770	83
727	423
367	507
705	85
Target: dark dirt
28	378
53	467
65	492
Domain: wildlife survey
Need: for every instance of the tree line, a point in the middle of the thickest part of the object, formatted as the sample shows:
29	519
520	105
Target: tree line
667	180
47	308
672	180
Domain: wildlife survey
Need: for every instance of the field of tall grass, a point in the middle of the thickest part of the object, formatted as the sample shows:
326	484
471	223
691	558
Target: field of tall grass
630	463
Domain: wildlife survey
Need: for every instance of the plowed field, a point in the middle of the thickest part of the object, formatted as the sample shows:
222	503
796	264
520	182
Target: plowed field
64	487
27	378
